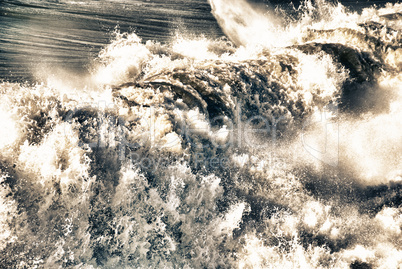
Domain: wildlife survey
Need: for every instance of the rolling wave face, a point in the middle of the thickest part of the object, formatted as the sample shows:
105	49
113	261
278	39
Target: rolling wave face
214	153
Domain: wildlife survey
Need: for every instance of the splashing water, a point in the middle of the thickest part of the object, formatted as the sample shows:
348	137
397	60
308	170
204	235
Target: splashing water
278	149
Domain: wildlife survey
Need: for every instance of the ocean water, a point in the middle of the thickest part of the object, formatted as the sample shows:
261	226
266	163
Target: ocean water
200	134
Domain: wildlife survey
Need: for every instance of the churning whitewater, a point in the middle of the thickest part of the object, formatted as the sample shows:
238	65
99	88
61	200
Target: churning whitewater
278	145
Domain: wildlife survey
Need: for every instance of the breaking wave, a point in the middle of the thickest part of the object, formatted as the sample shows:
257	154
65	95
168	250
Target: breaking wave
278	146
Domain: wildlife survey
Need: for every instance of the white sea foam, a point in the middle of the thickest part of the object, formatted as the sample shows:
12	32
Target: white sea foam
202	153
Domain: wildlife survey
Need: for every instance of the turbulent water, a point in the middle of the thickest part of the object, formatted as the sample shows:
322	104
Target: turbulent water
220	134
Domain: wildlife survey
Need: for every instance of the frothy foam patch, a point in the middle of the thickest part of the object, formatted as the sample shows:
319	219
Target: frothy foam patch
8	129
371	146
118	62
8	210
245	25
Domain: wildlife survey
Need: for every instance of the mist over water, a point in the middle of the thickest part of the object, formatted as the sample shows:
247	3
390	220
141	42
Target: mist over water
263	137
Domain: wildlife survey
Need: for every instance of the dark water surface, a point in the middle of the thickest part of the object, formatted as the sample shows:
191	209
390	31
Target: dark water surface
69	34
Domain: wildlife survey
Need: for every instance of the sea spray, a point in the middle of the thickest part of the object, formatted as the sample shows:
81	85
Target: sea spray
277	155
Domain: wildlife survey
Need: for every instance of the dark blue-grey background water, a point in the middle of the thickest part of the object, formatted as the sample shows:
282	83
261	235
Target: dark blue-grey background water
71	33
